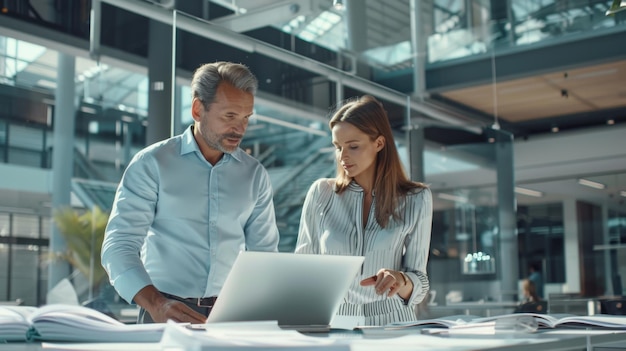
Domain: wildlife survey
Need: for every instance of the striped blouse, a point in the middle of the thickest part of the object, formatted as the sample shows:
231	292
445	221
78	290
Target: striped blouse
332	224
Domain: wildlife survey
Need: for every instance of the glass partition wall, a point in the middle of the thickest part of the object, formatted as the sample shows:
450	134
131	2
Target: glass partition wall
473	230
486	230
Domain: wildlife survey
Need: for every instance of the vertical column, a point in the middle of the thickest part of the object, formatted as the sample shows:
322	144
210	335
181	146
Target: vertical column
159	82
356	25
62	159
421	10
3	54
416	153
572	250
95	25
500	17
606	257
469	14
177	126
508	261
511	20
127	141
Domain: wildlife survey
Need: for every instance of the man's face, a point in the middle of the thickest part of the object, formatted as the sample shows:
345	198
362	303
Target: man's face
221	128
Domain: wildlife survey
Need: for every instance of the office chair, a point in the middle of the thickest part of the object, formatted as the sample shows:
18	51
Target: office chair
613	306
533	307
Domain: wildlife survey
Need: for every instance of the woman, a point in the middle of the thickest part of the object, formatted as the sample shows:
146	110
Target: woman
371	209
531	302
530	292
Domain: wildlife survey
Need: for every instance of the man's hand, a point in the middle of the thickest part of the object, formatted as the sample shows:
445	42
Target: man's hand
176	311
162	309
390	282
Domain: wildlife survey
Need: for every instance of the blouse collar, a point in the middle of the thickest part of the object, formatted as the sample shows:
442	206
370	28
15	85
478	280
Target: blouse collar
354	186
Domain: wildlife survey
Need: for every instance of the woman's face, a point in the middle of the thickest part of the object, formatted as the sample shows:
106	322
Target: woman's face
355	151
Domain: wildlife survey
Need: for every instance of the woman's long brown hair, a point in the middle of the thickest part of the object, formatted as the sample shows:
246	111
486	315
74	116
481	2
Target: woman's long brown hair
390	181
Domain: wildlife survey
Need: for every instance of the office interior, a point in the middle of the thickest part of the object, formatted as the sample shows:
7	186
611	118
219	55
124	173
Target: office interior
514	113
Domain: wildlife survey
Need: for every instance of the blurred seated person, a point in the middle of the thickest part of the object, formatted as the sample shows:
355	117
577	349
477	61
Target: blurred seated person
530	291
536	277
531	302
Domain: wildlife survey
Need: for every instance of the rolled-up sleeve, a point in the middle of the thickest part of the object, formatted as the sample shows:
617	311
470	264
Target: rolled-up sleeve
261	230
418	245
129	222
308	242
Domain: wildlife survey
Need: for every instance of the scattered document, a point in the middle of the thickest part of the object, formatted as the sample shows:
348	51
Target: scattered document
566	320
14	323
443	322
239	335
71	323
100	346
507	323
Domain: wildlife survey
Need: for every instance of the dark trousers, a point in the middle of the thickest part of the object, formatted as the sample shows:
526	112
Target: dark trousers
144	317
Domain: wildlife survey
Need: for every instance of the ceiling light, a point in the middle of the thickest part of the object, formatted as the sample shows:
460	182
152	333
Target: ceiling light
453	198
528	192
622	193
593	74
46	84
127	119
255	127
90	110
591	184
338	4
289	125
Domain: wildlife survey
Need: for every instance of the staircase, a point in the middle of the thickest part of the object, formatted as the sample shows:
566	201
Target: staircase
291	189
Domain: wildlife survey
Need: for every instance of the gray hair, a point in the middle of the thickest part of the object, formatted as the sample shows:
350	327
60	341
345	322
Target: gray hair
208	77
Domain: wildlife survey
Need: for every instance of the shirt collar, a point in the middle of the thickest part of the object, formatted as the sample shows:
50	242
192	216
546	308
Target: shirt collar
189	145
354	186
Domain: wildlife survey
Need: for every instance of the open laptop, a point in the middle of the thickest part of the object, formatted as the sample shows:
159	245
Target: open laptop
299	291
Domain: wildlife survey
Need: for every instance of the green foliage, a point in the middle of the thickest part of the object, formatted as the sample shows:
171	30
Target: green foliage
83	232
617	6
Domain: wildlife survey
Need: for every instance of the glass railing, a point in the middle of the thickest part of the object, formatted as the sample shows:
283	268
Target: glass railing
528	22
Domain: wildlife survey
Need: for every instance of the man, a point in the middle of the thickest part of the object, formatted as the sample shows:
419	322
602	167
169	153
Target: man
186	206
536	278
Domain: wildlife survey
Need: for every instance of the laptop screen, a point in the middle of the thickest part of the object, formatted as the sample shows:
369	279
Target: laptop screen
293	289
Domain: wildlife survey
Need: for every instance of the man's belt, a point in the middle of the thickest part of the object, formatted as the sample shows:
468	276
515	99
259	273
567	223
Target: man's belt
197	301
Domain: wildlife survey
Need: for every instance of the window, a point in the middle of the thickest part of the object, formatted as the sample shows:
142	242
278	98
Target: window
541	240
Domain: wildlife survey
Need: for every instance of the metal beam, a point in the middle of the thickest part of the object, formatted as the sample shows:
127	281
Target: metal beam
217	33
263	16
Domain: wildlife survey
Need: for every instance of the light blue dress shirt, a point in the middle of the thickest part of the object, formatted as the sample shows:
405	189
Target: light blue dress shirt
332	224
179	222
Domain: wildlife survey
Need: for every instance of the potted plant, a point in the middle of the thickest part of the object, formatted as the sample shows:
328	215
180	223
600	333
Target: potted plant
83	231
617	6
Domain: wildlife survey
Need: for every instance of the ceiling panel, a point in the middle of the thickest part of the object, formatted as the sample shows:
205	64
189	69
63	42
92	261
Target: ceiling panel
566	92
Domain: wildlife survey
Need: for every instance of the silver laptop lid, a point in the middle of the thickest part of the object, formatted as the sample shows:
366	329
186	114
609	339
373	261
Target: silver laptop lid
296	290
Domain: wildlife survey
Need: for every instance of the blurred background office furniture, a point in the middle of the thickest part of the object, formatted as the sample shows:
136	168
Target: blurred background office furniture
616	306
571	303
533	307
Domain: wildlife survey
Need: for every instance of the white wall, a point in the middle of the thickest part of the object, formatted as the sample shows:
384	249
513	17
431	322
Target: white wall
22	178
567	154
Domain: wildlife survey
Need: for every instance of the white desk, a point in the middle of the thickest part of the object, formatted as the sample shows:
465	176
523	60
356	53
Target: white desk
552	340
